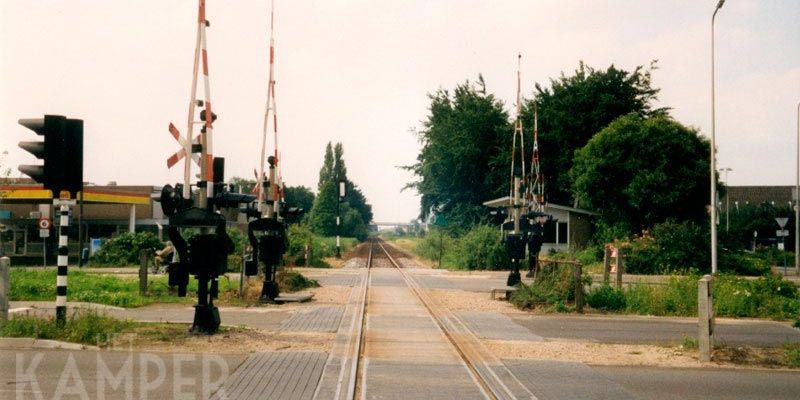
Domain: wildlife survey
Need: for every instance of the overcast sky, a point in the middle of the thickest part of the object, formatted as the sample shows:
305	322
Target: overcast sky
359	71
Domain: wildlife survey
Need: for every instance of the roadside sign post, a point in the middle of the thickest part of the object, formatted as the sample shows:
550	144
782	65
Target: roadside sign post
44	225
782	233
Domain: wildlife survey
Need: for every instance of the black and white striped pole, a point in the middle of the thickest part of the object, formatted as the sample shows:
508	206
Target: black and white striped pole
63	261
341	189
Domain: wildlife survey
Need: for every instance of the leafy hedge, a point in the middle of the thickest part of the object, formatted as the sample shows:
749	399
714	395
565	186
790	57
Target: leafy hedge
124	249
479	248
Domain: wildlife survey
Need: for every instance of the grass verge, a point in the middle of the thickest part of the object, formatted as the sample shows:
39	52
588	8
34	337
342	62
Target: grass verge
92	328
766	297
40	285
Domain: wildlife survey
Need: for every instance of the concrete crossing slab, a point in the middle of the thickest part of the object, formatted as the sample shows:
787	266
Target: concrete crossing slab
275	375
389	380
434	282
337	280
555	380
316	319
495	326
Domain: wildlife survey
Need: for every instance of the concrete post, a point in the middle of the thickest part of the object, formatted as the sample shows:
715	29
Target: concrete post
577	275
705	312
620	268
5	287
142	272
606	264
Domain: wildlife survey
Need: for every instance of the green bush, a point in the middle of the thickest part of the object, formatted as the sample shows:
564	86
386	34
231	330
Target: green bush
481	248
772	256
765	297
320	247
673	247
742	263
124	249
769	296
433	242
589	255
606	298
553	285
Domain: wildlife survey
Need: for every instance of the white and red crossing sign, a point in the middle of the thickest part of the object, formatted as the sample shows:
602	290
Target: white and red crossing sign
180	154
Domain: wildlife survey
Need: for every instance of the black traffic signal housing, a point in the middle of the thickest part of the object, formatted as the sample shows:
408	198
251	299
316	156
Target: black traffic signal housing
61	150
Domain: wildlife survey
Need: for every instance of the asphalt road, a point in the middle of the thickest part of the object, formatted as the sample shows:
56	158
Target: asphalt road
647	330
89	374
704	384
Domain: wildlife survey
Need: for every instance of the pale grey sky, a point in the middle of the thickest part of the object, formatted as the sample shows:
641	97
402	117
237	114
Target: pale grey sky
358	72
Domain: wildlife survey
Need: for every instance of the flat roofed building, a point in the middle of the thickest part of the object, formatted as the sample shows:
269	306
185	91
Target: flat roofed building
571	228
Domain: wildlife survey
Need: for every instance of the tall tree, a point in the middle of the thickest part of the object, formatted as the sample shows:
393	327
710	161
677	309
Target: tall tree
323	212
466	150
574	108
339	168
357	200
326	173
643	171
299	196
355	212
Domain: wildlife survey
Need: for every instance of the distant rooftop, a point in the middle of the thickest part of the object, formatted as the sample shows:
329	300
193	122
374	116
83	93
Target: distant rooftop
779	195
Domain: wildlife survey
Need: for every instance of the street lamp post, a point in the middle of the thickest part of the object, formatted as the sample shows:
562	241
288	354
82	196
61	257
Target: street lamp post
713	153
727	200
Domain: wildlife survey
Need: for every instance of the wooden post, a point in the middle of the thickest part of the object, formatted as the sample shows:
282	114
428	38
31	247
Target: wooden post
577	274
606	264
5	287
705	313
620	268
143	272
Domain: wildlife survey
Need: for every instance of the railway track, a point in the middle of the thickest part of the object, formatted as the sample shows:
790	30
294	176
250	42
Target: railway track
490	377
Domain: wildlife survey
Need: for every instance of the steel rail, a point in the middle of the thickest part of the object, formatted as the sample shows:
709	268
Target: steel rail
472	368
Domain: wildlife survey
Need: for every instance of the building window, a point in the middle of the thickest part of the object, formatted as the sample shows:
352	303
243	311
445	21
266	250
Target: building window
550	232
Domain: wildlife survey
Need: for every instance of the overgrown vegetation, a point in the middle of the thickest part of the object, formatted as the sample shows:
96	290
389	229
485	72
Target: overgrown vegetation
300	236
293	281
554	286
765	297
791	353
478	248
82	326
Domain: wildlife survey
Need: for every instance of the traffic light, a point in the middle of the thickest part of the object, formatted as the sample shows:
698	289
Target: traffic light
61	150
73	166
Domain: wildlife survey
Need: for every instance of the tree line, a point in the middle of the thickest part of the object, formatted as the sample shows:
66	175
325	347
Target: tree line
604	145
